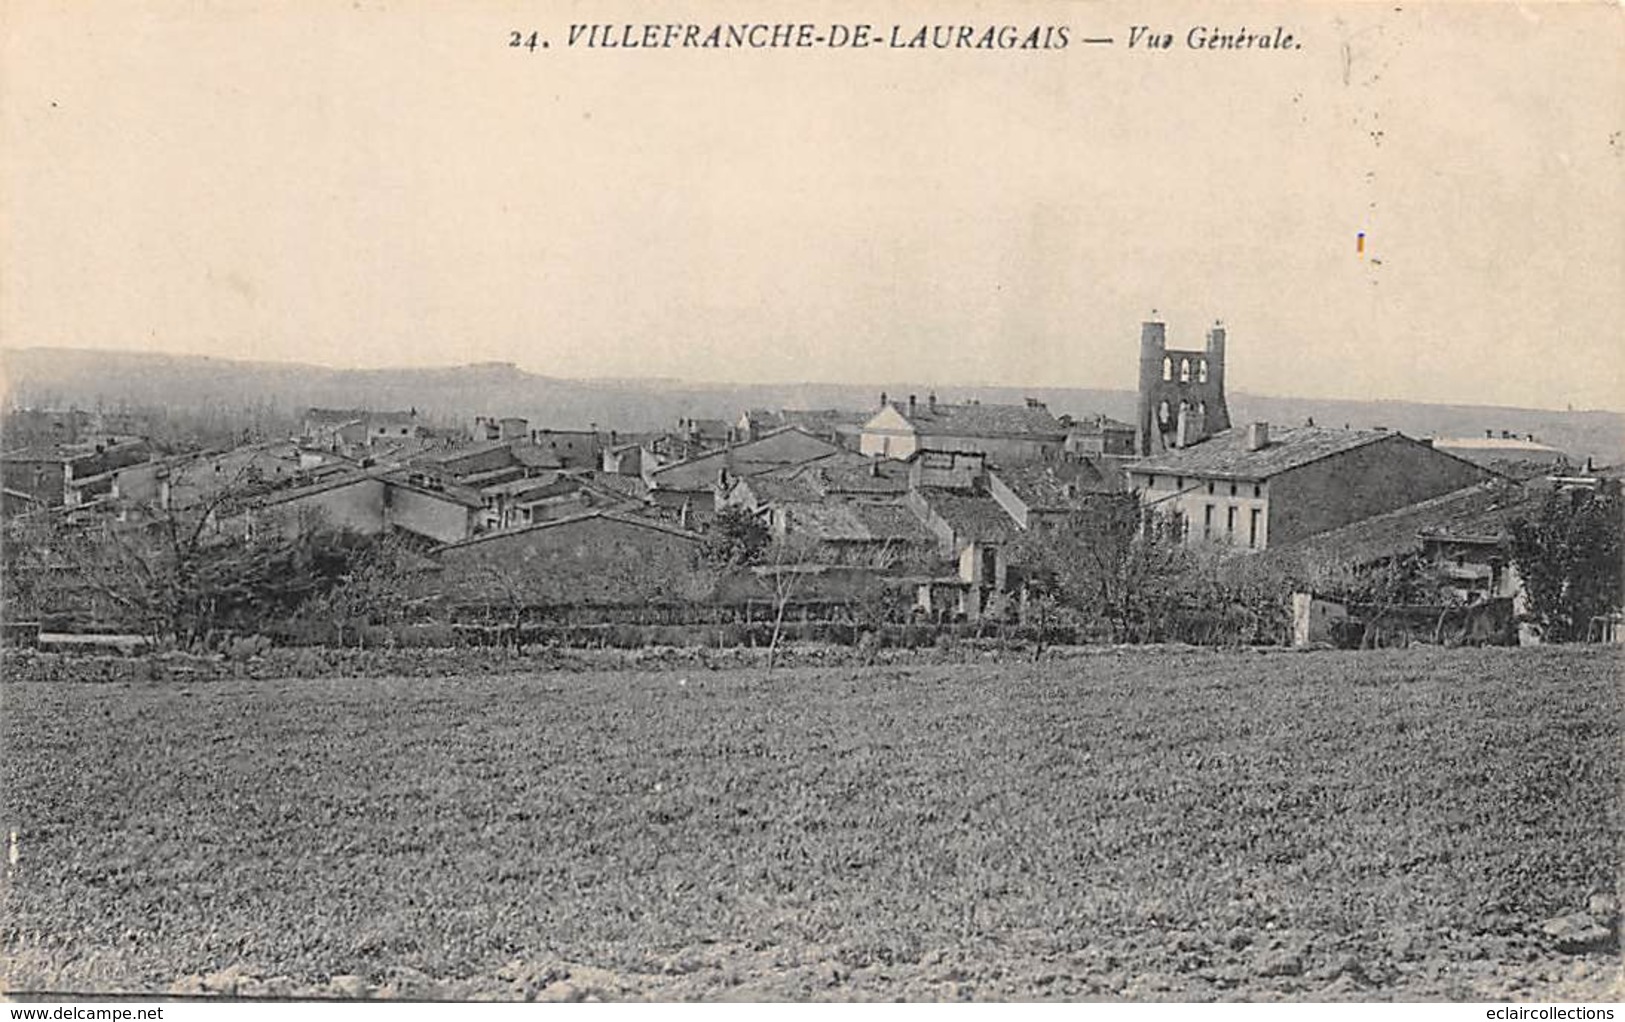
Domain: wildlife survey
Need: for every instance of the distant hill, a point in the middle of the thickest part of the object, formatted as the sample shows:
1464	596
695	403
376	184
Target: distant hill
59	377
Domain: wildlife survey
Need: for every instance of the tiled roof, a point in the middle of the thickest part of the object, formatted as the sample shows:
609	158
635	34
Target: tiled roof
822	418
973	518
619	485
1481	513
460	452
532	456
891	521
789	445
982	420
843	522
1044	487
1226	454
867	476
773	488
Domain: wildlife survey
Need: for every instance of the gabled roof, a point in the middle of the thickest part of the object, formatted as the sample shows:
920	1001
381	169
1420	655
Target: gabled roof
1478	514
788	445
1225	454
977	419
618	517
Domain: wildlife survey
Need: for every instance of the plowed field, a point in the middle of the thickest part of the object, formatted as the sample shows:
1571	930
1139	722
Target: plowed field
1390	824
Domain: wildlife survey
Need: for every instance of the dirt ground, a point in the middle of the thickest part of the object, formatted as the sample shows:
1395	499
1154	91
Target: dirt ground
1388	825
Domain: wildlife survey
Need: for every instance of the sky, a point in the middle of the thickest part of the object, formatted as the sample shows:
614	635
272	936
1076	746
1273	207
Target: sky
391	184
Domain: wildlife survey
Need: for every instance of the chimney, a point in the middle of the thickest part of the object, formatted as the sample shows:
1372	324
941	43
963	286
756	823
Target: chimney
931	402
882	399
911	406
1258	436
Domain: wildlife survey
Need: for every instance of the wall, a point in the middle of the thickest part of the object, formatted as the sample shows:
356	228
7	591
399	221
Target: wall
1354	485
1190	497
427	514
626	462
1013	505
888	435
357	505
146	483
594	559
572	447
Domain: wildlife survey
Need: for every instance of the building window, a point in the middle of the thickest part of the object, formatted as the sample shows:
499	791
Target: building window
1207	522
1232	489
1151	482
1258	489
1230	523
1210	487
1252	528
1201	370
1179	483
1184	370
1167	368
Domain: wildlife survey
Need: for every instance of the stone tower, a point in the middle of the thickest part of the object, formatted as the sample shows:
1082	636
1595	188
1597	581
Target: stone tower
1181	391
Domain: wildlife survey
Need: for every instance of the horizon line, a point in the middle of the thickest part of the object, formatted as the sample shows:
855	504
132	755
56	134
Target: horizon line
712	382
